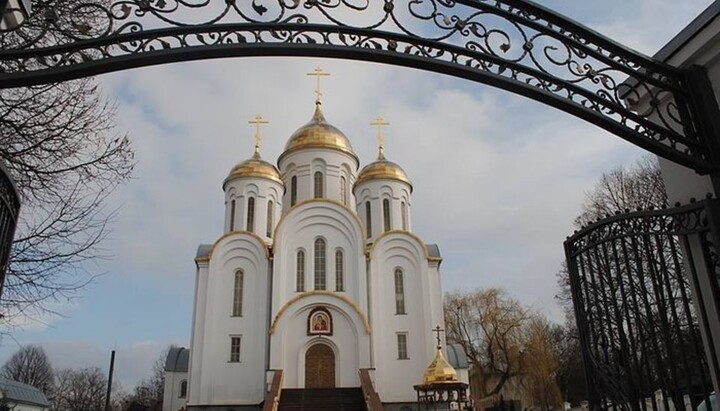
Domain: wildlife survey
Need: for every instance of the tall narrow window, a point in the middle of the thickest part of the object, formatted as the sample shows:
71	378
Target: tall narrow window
402	346
403	214
270	212
235	349
399	292
368	219
300	272
238	293
386	214
339	271
183	389
343	190
232	215
293	191
320	268
251	214
318	183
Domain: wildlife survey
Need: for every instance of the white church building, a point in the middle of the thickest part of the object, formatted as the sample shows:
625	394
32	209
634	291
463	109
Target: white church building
318	273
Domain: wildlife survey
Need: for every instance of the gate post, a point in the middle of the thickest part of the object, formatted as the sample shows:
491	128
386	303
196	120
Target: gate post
702	264
9	210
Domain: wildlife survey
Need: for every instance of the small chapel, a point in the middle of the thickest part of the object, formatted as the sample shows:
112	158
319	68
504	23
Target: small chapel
317	278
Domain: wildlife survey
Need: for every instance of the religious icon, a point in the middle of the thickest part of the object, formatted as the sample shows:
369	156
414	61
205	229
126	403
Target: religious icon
320	322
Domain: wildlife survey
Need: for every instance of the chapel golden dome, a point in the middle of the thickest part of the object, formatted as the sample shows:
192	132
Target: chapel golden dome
382	169
254	167
439	370
318	133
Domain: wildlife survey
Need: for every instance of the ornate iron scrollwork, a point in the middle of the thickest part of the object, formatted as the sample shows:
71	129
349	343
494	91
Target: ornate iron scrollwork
513	44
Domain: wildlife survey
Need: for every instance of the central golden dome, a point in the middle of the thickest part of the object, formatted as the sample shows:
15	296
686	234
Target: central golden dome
318	133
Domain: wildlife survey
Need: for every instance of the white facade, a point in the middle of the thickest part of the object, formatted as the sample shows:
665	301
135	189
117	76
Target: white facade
259	283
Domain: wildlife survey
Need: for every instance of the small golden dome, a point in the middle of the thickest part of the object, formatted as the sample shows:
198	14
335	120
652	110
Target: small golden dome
383	169
439	371
254	167
318	133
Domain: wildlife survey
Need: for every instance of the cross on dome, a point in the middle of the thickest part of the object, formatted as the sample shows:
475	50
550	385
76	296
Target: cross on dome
318	73
438	330
380	123
258	121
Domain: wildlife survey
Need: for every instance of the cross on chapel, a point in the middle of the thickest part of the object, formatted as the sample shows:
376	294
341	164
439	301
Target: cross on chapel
438	330
318	73
258	121
380	123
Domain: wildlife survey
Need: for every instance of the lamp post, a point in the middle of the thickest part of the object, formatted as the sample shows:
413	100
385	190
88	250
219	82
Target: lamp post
14	13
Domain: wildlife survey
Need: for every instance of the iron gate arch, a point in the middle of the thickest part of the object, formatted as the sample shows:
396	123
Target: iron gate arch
515	45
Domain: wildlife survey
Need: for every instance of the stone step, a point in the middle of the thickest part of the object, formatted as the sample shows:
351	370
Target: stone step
322	399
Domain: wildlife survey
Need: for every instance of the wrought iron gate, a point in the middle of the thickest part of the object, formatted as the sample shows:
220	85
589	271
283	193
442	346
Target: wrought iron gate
645	290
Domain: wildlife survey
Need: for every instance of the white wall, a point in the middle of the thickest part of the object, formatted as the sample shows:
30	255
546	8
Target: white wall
171	395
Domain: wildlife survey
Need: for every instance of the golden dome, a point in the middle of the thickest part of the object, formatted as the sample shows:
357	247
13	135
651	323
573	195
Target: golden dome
383	169
439	371
254	167
318	133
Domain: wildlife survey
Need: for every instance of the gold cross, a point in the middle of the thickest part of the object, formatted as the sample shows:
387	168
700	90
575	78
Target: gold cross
380	123
258	121
318	73
438	330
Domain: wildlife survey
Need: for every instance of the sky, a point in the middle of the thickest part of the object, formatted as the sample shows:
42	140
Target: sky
498	178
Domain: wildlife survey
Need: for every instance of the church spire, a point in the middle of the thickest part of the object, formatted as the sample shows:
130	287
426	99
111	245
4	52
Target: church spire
380	123
258	121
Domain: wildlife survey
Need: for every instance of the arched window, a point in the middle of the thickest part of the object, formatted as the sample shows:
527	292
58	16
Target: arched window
183	388
238	294
300	272
293	191
399	292
339	271
270	212
251	214
232	215
403	214
320	267
318	184
368	219
386	214
343	190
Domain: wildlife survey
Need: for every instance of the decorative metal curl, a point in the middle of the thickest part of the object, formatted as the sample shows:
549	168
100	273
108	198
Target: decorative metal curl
512	44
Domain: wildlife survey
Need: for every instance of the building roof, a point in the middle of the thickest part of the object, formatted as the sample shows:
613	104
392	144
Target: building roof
177	360
456	356
22	393
689	32
204	251
433	250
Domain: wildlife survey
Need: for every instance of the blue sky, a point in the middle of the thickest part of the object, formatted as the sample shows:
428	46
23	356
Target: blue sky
498	178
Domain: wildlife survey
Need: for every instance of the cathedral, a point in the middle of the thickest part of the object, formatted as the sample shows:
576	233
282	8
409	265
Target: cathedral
318	274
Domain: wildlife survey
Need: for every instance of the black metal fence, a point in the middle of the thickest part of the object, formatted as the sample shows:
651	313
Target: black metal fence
9	208
645	288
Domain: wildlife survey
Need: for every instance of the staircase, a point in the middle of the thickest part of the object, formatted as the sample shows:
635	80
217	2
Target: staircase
322	399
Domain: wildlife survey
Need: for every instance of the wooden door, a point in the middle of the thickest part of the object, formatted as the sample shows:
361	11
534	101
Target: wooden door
320	367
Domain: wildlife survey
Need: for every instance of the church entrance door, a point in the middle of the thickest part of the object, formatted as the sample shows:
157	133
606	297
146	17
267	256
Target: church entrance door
320	367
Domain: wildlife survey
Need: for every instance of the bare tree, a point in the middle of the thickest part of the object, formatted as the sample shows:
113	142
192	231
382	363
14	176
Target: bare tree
542	362
79	390
150	390
30	365
490	326
59	143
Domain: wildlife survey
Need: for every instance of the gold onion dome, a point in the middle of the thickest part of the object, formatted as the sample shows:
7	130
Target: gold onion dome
255	167
382	169
318	133
439	370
